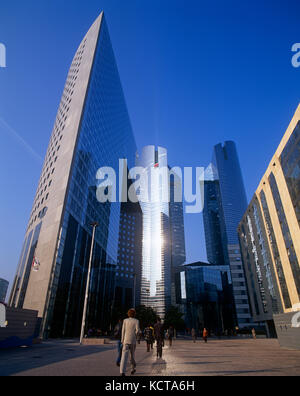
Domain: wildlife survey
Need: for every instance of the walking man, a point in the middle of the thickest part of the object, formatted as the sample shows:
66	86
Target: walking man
194	335
152	336
130	330
170	335
159	336
148	337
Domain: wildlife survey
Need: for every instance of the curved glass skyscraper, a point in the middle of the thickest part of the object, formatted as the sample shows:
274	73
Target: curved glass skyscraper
156	250
92	130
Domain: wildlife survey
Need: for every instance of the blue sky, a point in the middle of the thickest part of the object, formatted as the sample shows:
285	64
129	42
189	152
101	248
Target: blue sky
194	73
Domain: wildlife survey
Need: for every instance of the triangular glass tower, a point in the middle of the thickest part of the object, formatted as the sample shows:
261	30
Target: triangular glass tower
92	130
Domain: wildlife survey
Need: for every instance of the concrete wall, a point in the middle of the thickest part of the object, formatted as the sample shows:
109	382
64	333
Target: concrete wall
21	328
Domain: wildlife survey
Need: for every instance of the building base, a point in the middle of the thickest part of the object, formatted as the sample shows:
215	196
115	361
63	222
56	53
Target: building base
21	329
288	330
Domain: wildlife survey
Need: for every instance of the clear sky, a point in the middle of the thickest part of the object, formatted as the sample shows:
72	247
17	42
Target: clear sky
195	73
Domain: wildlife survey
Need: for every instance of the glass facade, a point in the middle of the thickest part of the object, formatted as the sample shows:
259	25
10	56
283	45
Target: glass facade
265	256
27	268
258	268
290	163
20	271
232	190
207	298
250	273
128	271
286	232
215	236
24	268
231	206
104	137
262	287
276	256
177	238
157	249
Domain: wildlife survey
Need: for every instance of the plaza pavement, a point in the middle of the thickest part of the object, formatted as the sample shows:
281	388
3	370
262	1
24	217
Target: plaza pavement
233	357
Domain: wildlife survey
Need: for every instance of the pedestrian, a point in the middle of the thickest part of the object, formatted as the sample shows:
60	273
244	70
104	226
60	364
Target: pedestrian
205	335
152	336
118	336
148	335
130	330
159	337
170	335
194	335
254	334
139	336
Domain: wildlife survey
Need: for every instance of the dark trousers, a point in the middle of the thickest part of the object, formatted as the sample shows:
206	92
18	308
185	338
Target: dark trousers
159	347
120	346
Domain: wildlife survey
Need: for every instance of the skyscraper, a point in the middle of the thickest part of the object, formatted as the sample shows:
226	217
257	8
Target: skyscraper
178	254
92	130
163	248
156	250
206	297
128	271
213	219
270	241
225	205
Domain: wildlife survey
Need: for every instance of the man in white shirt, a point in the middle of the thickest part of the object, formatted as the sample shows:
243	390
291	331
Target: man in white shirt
130	330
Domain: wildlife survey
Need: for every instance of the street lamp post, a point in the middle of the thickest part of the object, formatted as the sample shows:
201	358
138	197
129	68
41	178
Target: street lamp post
94	225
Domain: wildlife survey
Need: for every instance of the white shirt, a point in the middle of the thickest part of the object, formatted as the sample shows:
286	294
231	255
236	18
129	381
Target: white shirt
130	330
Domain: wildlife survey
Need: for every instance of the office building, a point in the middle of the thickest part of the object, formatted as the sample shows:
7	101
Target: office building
128	270
207	298
3	289
163	250
156	249
178	254
92	130
270	241
213	219
225	205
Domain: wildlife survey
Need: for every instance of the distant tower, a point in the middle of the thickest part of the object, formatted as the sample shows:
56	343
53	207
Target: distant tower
163	248
178	253
231	202
92	130
3	289
156	250
213	219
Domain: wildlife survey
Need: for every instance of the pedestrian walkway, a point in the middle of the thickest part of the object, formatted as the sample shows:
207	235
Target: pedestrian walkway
184	358
223	358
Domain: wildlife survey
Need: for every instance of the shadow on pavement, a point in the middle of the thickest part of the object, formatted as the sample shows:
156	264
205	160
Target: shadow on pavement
159	367
17	360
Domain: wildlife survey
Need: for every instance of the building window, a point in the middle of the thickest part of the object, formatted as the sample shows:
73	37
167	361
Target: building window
276	256
291	168
286	232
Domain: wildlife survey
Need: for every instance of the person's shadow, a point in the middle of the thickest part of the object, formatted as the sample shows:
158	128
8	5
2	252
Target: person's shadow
159	366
